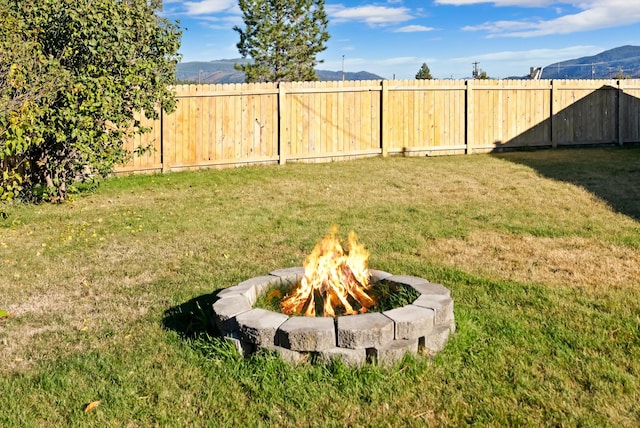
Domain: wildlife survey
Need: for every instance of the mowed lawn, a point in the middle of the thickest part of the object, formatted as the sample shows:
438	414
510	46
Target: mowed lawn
109	295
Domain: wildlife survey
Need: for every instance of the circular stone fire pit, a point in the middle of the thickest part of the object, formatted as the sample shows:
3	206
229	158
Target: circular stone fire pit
383	337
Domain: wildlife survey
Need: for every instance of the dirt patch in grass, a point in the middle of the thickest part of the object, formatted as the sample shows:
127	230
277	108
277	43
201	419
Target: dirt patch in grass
567	261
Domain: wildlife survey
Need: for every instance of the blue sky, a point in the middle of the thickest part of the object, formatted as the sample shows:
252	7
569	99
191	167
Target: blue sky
392	38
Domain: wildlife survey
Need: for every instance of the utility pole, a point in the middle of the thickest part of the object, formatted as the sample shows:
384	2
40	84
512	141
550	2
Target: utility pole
343	67
475	69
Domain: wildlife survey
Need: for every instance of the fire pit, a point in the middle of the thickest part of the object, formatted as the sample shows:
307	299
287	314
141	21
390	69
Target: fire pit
335	280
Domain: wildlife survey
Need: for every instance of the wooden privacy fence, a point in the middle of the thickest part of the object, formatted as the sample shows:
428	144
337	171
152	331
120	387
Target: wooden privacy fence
236	124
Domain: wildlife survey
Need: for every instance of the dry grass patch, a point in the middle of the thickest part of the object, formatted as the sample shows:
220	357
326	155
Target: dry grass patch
566	261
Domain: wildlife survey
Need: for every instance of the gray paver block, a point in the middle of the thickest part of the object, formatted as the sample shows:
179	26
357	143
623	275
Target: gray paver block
250	288
288	355
243	348
291	271
289	276
436	340
431	288
393	351
307	334
259	326
364	330
421	285
407	280
443	306
378	275
350	357
226	309
411	322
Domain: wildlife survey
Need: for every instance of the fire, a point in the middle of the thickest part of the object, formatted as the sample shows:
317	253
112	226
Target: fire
336	276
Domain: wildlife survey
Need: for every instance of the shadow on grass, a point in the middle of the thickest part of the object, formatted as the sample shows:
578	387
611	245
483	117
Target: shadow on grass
192	318
611	174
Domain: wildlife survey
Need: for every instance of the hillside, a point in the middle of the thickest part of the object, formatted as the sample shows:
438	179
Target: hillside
623	60
222	71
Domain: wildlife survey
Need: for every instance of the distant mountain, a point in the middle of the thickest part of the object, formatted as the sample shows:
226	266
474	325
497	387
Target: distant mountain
624	60
222	71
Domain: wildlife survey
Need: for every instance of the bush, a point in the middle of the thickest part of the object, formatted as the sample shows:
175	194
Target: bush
70	96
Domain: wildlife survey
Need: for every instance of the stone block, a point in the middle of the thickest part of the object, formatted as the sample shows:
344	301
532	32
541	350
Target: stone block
350	357
411	322
297	271
378	275
442	305
289	356
259	326
250	288
431	288
307	334
243	348
364	330
436	340
407	280
289	276
226	309
393	351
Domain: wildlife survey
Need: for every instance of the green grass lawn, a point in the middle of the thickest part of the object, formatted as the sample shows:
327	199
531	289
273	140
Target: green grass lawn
109	295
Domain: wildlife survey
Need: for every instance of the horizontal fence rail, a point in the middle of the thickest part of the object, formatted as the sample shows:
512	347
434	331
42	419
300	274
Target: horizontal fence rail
237	124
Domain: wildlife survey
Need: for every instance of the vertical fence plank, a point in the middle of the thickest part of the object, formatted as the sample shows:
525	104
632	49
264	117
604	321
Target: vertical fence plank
384	120
283	125
470	119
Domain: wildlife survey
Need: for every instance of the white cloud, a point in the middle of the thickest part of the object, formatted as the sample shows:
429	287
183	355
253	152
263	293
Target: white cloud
371	15
413	29
204	7
221	23
593	15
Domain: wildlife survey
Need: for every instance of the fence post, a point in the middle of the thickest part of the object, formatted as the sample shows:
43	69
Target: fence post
552	117
164	156
282	157
469	130
620	113
384	133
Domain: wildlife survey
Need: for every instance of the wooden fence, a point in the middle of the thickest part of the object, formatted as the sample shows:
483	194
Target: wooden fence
236	124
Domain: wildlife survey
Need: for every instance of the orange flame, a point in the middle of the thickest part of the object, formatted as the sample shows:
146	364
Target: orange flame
337	277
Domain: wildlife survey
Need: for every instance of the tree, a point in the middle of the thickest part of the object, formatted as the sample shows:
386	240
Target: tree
102	63
424	73
482	75
25	79
283	38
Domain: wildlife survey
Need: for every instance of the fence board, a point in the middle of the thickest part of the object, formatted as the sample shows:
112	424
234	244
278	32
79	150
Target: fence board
585	111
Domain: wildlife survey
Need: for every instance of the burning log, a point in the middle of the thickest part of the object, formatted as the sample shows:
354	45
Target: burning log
336	277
